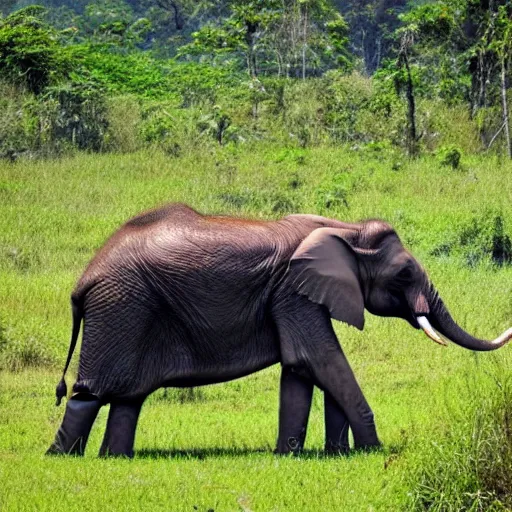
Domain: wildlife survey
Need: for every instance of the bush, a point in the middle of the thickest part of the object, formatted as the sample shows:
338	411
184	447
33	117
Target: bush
18	122
302	119
443	125
81	118
469	469
30	54
68	116
172	129
159	127
344	98
335	192
124	116
449	156
482	238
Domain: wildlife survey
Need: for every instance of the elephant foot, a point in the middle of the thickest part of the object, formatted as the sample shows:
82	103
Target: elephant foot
71	438
332	448
293	445
365	433
295	402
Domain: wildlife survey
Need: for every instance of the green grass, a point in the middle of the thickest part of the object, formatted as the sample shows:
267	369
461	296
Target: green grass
215	452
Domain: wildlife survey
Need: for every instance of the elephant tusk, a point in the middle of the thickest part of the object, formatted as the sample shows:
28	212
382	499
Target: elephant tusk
429	330
503	339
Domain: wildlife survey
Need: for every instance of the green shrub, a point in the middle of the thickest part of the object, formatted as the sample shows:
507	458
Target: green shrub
18	122
159	127
468	468
449	156
301	118
489	120
335	192
483	238
218	125
343	100
81	119
30	53
443	125
124	117
67	116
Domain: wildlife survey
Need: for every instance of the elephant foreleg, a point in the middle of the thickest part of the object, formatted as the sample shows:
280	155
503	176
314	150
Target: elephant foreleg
295	398
308	341
336	427
121	426
335	377
71	438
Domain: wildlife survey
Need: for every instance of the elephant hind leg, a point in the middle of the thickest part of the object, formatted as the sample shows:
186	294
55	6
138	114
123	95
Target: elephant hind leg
121	426
336	427
296	394
71	438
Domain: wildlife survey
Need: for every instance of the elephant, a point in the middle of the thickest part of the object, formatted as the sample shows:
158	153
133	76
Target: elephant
176	298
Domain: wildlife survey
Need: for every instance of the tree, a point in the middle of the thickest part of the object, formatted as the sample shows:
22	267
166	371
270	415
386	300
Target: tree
238	33
466	42
307	38
113	21
406	43
371	27
30	53
502	45
175	8
294	38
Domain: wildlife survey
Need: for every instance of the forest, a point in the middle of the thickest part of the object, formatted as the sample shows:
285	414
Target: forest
371	109
371	72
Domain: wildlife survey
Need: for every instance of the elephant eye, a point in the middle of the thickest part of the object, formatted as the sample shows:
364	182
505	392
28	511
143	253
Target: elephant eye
405	275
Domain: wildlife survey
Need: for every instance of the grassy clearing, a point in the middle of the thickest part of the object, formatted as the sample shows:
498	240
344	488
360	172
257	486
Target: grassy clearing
214	452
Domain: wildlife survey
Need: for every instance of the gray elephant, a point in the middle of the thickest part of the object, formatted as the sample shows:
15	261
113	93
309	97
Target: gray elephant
179	299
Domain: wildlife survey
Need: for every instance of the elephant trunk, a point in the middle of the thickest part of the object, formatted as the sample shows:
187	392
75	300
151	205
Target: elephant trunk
442	321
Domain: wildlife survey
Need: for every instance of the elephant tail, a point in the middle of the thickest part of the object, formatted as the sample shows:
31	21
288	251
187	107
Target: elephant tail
77	311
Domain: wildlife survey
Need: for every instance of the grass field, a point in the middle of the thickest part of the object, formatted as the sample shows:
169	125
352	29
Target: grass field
213	450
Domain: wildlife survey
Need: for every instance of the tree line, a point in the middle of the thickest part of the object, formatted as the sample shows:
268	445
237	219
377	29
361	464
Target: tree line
457	51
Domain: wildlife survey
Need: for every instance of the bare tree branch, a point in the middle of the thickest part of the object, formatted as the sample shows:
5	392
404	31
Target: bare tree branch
495	136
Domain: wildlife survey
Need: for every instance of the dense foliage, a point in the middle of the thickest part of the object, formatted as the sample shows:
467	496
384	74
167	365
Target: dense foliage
302	72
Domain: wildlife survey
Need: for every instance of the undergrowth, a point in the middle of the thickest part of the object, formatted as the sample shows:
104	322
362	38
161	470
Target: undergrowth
482	237
469	466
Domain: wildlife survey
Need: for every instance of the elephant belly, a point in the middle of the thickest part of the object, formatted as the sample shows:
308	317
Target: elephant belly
223	358
133	345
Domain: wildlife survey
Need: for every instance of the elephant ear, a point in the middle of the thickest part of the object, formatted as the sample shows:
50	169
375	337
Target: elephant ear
324	268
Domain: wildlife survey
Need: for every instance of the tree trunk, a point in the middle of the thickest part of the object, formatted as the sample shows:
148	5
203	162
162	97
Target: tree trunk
412	142
504	106
304	43
251	54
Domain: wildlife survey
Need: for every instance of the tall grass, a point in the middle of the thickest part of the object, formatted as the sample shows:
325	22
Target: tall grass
469	466
214	449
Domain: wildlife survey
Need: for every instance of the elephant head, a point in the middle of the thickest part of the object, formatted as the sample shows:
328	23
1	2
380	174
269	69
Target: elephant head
365	266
